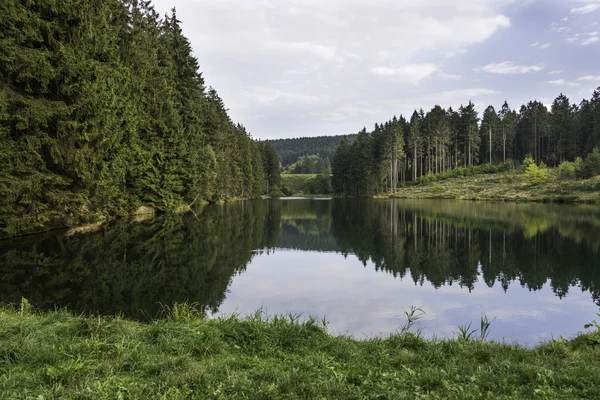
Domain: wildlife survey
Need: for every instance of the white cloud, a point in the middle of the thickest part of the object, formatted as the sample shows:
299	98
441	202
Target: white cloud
454	53
589	78
589	8
590	40
545	46
508	68
268	96
411	73
555	72
535	44
562	82
288	66
561	29
450	77
447	98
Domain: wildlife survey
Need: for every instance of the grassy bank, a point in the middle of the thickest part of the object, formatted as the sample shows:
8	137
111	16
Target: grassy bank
58	355
506	186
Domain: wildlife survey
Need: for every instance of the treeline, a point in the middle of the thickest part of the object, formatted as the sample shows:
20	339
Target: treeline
103	109
310	164
291	150
403	149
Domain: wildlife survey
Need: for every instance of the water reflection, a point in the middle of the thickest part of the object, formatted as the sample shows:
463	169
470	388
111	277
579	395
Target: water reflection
535	267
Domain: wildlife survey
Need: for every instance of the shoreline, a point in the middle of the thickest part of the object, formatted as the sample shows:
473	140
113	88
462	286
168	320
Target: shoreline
505	187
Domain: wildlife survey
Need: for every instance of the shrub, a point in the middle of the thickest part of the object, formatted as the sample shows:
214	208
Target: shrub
320	184
579	168
528	161
428	178
566	170
591	165
275	192
535	175
286	191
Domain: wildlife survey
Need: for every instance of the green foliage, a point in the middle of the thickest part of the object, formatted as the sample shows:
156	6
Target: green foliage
281	356
591	165
310	164
271	168
275	192
460	172
535	175
439	141
579	168
320	184
103	109
290	151
566	170
528	161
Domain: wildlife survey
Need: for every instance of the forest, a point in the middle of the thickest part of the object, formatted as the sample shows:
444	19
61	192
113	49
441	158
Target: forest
103	109
439	141
291	150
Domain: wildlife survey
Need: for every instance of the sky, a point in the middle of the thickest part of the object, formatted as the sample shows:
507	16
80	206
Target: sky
296	68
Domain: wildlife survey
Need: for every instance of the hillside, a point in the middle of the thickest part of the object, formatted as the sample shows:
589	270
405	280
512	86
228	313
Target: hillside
290	150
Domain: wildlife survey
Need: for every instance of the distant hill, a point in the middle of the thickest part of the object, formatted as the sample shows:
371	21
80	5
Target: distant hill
290	150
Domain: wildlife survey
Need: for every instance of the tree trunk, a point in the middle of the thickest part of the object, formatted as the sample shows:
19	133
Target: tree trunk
503	145
490	146
415	163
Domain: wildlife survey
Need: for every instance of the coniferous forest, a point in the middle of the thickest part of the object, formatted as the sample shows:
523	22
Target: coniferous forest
291	150
103	109
403	150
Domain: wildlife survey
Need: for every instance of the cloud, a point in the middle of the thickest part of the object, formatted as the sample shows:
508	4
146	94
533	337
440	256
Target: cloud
561	29
308	67
589	8
584	39
535	44
562	82
587	78
508	68
590	40
555	72
454	53
450	77
446	98
545	46
412	73
269	96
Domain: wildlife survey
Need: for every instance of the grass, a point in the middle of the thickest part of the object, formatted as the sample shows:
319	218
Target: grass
506	186
184	355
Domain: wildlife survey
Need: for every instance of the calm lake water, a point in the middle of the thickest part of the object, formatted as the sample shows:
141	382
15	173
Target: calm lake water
360	263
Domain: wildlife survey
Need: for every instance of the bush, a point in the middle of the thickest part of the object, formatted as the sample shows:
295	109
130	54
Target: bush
566	170
528	161
286	191
427	178
535	175
320	184
275	192
579	168
591	165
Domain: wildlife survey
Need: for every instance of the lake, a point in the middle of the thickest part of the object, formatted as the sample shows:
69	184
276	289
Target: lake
360	263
